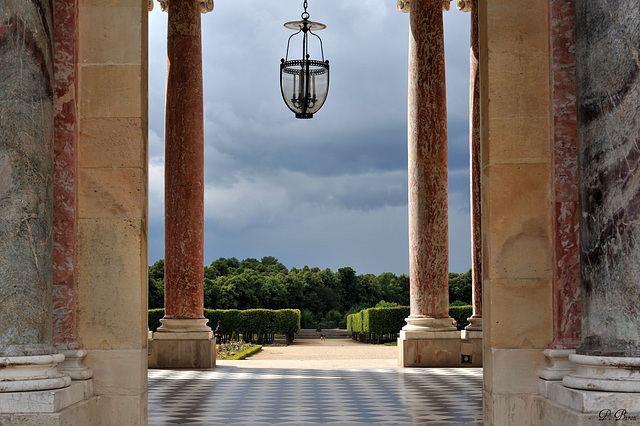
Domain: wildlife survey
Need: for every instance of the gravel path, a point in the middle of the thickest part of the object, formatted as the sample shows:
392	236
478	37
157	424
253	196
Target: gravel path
316	353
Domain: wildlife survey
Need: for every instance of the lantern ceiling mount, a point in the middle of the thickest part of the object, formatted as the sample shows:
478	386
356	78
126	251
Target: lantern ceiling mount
304	83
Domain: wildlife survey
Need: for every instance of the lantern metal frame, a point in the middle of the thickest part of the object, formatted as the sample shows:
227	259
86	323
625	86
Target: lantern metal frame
299	78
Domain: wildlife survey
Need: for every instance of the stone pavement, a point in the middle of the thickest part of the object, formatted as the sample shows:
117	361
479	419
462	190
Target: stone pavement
314	381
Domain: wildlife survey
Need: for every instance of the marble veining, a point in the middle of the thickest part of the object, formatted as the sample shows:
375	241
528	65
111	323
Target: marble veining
26	184
65	169
566	261
427	146
184	170
608	36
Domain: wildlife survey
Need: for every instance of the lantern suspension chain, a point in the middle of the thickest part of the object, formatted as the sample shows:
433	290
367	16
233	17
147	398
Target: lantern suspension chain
305	15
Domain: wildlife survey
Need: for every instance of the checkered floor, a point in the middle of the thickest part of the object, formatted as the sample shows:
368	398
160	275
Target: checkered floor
228	395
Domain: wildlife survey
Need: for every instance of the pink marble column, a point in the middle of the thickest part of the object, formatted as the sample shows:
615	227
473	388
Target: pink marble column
566	209
428	198
566	212
475	321
65	205
184	171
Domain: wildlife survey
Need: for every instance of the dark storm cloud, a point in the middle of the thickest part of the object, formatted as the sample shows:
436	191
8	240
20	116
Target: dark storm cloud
328	192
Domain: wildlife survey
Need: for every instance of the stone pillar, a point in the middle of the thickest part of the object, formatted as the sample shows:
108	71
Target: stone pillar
429	335
27	357
184	322
565	212
472	334
65	193
608	93
475	161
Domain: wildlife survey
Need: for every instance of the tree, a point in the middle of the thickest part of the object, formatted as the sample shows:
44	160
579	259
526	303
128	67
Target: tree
349	284
156	285
323	295
460	287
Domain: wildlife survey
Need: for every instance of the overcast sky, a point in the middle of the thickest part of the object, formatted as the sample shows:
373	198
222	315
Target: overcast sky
330	191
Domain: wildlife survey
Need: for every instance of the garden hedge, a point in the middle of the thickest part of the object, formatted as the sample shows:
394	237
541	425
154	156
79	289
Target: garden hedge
259	322
384	320
388	321
154	318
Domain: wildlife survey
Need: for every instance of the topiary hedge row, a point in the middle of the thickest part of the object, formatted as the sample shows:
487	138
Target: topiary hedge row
263	323
382	324
378	320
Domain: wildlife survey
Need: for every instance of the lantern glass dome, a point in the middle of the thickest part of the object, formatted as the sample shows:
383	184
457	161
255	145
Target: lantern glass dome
304	85
304	82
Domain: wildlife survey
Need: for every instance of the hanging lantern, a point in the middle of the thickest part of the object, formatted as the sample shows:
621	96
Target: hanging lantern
304	83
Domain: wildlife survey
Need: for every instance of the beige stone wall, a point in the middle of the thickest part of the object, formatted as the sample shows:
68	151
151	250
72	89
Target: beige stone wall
516	202
112	202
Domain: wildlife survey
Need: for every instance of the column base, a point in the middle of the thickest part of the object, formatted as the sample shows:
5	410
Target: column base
607	374
429	349
475	324
417	325
183	329
32	373
564	405
182	352
73	364
42	401
559	364
84	412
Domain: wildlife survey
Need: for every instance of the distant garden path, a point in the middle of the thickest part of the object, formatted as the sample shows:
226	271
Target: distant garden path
316	353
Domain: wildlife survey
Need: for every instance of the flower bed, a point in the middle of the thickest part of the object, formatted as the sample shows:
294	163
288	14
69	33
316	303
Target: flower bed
232	349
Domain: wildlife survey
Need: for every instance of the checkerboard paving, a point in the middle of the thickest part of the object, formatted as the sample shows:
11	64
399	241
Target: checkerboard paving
230	395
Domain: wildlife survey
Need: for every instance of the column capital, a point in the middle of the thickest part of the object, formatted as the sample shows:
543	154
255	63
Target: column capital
405	5
205	5
465	5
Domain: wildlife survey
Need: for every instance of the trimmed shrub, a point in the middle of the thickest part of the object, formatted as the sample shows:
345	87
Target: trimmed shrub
252	321
244	354
384	320
287	321
154	318
354	323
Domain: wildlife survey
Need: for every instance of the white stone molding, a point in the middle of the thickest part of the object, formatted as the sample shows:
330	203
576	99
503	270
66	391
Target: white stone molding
205	5
416	327
405	5
183	329
32	373
73	364
602	373
464	5
559	364
475	324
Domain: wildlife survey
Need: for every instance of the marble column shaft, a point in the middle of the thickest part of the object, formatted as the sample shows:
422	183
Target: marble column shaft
65	192
184	164
475	162
28	361
26	177
608	95
65	168
566	209
427	143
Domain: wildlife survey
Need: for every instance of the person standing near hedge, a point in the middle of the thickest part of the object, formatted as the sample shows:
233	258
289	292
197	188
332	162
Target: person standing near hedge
218	332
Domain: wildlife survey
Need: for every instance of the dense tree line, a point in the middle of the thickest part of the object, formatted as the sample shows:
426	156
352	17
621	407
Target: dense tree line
324	297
